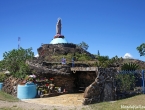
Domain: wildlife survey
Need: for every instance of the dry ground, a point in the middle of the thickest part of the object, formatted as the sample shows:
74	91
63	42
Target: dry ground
72	102
62	102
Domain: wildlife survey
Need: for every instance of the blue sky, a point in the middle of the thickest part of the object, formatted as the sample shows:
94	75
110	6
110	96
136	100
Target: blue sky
114	27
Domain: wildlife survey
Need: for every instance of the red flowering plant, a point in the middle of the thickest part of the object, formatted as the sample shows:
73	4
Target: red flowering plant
51	80
46	85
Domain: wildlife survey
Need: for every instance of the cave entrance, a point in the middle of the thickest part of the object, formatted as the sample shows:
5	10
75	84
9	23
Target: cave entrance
82	80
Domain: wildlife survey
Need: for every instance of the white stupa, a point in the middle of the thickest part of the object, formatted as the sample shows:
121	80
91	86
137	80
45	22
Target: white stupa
127	56
58	38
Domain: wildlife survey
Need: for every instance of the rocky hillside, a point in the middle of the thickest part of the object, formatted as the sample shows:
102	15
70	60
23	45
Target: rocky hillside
118	63
139	62
54	52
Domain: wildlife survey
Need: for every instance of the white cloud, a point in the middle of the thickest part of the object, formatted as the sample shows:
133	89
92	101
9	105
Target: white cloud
36	55
127	55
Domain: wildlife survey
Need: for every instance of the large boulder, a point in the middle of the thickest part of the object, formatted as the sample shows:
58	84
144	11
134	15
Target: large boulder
102	89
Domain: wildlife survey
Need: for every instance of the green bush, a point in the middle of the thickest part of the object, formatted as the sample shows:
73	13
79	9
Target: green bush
2	77
103	61
125	82
84	57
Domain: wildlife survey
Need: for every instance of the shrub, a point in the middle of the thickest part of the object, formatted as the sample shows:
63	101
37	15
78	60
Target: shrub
14	61
2	77
125	82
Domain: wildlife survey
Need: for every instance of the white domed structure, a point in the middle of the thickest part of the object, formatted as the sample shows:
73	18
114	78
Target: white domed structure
58	41
58	38
37	55
127	56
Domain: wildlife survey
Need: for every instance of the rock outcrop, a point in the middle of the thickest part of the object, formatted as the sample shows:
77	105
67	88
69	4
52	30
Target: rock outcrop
48	68
102	89
48	51
10	85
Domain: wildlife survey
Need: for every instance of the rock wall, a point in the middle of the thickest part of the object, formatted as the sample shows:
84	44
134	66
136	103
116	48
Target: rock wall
103	88
66	82
10	85
45	68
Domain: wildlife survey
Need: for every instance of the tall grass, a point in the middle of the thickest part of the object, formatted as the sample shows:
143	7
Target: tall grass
7	97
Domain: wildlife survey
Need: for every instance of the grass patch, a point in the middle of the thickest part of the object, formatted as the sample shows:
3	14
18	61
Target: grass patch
7	97
138	100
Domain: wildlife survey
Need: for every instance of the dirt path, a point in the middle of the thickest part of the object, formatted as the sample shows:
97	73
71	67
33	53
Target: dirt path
62	102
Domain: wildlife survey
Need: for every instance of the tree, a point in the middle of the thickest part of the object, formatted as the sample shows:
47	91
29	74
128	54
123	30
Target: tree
15	61
141	49
1	65
83	45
